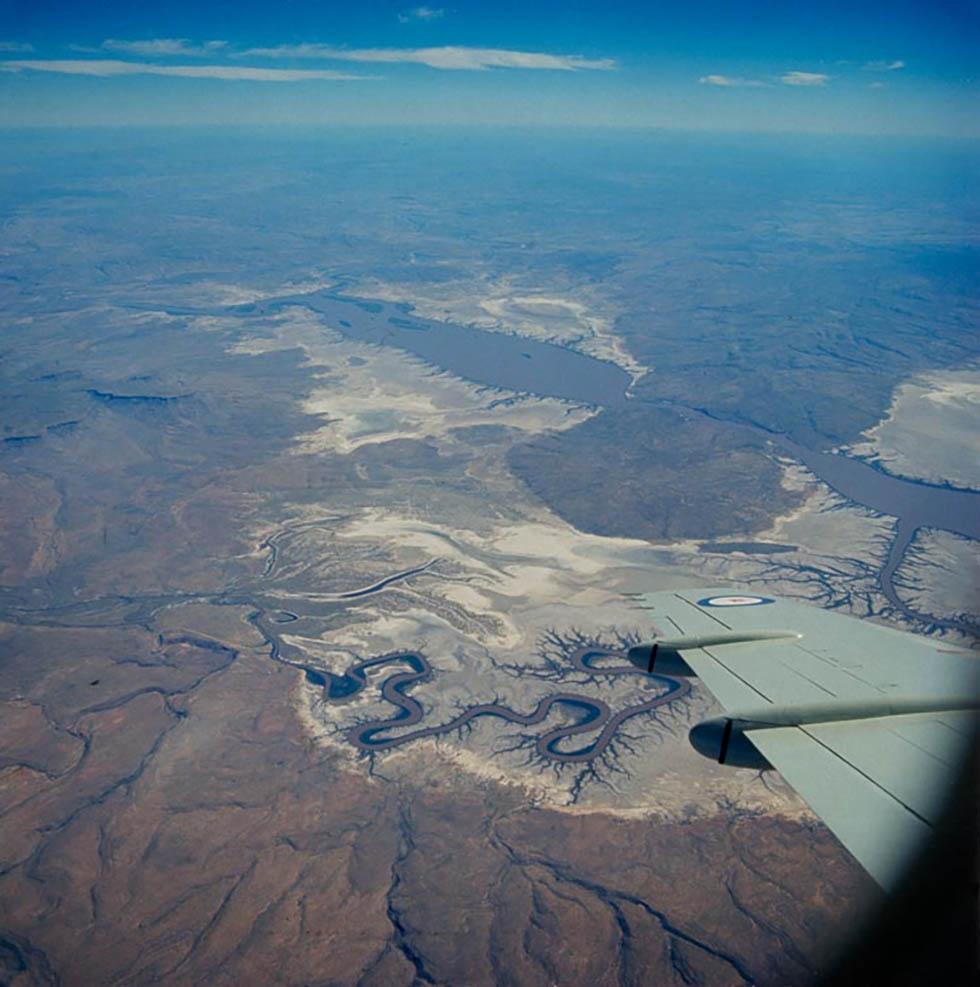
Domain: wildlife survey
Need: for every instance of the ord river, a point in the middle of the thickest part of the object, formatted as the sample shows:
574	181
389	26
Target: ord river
493	359
515	363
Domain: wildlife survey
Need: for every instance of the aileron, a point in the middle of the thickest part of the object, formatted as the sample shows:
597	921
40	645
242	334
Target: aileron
875	826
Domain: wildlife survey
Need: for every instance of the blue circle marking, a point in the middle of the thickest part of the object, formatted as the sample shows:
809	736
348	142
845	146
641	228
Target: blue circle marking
735	600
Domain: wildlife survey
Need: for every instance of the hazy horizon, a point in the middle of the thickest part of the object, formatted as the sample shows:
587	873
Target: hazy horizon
903	69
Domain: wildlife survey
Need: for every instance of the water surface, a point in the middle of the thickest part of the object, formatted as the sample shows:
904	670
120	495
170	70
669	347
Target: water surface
494	359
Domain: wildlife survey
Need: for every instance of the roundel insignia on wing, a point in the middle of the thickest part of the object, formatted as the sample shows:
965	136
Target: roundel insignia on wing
734	601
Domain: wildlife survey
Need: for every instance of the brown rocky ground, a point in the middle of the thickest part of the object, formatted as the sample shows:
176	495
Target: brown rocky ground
165	819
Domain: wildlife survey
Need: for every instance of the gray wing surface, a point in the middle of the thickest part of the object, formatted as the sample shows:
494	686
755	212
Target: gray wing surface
877	776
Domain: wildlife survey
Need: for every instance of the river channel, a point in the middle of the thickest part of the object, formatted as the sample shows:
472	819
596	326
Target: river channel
515	363
493	359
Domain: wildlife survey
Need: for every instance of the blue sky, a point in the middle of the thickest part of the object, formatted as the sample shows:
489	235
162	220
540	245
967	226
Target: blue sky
857	67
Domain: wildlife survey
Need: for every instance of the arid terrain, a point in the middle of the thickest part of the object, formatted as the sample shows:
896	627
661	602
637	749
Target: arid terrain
263	469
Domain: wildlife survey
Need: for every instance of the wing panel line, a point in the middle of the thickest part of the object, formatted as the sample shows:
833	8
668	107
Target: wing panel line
704	612
796	671
735	675
949	726
909	740
838	667
867	777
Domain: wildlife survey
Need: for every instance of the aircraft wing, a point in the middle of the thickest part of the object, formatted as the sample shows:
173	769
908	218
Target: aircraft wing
870	725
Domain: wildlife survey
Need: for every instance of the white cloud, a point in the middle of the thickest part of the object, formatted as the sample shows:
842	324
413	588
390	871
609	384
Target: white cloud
883	66
421	14
16	46
105	67
795	78
163	46
731	81
447	57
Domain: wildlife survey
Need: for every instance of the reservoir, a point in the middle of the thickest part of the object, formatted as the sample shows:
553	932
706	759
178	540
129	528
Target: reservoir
515	363
918	504
493	359
914	503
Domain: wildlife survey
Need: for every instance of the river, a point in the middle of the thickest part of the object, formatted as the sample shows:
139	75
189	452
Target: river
514	363
493	359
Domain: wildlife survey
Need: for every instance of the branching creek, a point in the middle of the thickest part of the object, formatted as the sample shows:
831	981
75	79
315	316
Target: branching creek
516	363
513	363
593	714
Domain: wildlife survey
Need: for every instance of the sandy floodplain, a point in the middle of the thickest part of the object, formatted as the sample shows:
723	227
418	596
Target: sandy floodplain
930	431
368	394
940	574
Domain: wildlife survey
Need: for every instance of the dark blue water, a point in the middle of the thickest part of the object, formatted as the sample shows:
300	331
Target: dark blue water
918	504
519	364
915	504
493	359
